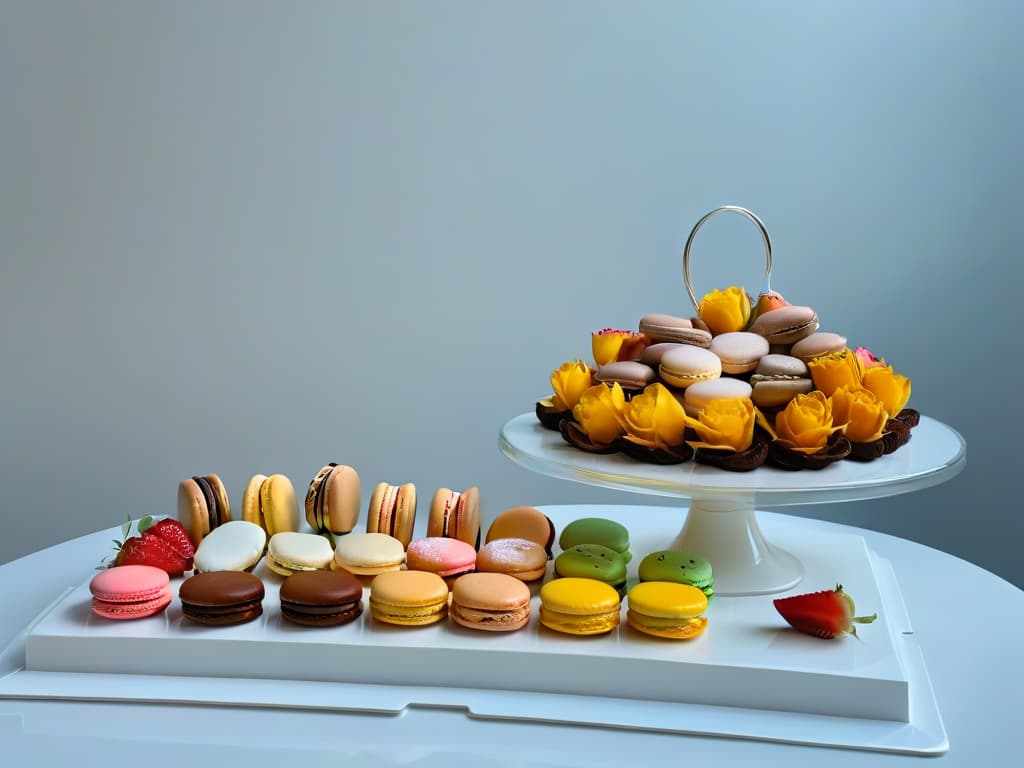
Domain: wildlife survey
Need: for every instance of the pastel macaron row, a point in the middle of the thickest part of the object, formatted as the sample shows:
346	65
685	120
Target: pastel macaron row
331	505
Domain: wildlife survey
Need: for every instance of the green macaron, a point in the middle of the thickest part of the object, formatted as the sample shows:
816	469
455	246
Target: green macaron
592	561
596	530
680	567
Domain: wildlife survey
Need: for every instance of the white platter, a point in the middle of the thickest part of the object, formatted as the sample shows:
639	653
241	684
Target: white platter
748	676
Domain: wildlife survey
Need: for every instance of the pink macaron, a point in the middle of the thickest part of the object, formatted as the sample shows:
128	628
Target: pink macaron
130	592
441	555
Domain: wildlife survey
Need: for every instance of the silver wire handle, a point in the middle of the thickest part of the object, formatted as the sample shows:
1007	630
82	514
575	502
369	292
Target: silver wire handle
689	241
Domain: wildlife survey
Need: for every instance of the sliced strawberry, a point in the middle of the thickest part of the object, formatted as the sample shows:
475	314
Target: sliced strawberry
174	533
825	614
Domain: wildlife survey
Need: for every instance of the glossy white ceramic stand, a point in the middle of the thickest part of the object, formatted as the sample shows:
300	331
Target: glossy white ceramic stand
721	523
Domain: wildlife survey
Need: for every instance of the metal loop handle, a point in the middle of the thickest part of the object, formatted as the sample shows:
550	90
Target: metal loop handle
689	241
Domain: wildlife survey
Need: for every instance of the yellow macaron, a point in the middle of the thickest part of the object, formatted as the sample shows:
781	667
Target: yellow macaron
408	598
666	609
270	503
578	606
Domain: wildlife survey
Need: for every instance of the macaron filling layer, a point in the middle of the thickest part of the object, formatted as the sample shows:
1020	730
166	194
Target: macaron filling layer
576	624
211	500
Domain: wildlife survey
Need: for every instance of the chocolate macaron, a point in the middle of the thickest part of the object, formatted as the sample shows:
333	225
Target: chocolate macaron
321	598
222	597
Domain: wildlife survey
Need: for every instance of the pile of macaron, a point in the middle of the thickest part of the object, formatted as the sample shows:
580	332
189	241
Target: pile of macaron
739	384
323	571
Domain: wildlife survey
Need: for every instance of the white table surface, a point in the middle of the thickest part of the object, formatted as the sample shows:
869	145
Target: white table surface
968	622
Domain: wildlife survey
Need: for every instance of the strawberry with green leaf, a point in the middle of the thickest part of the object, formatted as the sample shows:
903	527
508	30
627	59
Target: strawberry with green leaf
163	544
826	614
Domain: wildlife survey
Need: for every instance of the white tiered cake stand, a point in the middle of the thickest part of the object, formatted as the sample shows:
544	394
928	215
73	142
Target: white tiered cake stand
721	523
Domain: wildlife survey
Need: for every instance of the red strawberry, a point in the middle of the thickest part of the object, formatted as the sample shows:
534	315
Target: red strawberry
164	544
826	614
151	550
173	533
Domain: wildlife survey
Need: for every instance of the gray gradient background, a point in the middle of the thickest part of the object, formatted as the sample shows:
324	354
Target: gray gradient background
257	237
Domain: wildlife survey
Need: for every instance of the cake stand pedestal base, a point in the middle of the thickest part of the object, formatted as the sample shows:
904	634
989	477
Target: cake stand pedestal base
724	531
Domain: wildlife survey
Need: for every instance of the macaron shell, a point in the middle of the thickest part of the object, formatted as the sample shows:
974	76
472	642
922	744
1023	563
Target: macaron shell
627	374
441	555
773	394
312	505
680	330
593	561
220	598
192	510
467	517
667	600
369	553
579	606
666	609
596	530
817	344
579	597
670	629
237	545
251	510
223	502
321	598
130	592
782	365
652	355
405	513
525	560
739	351
523	523
278	504
492	602
442	510
785	325
678	567
341	502
290	551
688	365
136	610
698	395
408	598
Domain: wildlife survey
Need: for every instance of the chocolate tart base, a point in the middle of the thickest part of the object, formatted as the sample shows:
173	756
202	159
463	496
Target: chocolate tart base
735	461
549	416
897	434
674	455
867	451
574	435
908	416
838	447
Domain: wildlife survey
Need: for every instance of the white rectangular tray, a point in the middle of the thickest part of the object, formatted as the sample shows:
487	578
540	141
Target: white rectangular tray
747	676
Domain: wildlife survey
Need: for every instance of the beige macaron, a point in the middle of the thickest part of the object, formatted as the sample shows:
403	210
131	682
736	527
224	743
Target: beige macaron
332	501
289	552
367	554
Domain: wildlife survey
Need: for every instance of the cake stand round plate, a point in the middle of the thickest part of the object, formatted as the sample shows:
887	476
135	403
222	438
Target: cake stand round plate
721	524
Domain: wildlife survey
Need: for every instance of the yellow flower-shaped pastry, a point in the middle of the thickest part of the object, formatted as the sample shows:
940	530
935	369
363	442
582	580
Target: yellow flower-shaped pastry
839	369
864	414
725	424
805	424
891	388
609	345
569	381
655	418
725	311
600	413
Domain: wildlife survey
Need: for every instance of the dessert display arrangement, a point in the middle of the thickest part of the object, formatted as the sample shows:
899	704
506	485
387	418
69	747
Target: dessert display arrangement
528	617
742	382
410	581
